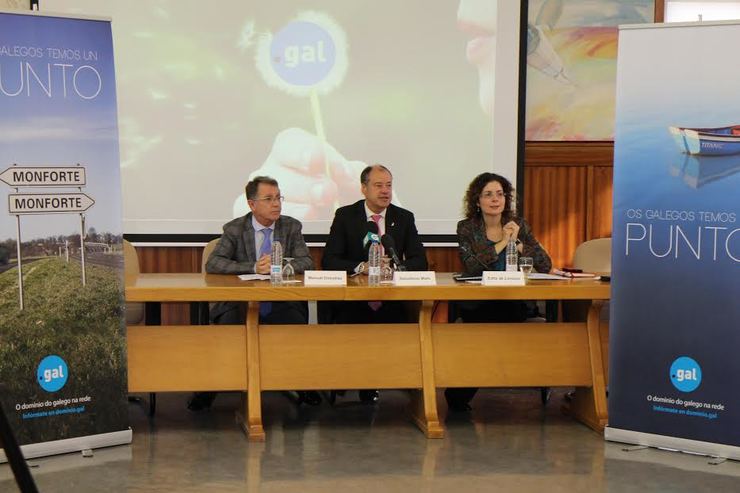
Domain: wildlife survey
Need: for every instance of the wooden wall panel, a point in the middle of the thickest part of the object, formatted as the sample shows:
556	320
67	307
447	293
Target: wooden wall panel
601	210
555	206
169	259
569	154
562	218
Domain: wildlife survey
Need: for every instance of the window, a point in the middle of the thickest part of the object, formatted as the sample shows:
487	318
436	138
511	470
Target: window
705	10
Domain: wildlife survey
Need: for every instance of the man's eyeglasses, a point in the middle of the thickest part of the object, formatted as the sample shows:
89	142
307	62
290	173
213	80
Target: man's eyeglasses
270	200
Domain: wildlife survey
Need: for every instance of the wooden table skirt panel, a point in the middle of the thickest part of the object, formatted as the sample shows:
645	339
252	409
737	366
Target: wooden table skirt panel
511	355
422	356
179	358
380	356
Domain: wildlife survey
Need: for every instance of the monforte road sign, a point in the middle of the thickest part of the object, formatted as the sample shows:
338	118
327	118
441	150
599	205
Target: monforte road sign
48	203
47	176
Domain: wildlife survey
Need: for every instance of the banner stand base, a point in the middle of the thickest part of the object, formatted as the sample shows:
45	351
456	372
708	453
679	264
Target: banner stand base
43	449
672	443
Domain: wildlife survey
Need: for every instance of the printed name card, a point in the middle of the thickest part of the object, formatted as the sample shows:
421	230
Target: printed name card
324	278
502	278
415	278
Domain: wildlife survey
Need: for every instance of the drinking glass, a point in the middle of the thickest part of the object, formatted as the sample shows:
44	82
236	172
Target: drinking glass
288	270
525	265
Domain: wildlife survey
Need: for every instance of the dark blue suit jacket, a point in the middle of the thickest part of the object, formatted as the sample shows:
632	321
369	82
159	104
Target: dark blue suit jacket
344	248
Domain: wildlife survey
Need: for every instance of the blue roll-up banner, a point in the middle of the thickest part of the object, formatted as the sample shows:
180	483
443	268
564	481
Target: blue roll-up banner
62	333
675	317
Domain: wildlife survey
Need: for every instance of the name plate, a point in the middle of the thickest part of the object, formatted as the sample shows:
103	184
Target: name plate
415	278
324	278
502	278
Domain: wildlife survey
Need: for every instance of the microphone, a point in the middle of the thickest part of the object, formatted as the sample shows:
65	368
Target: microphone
466	250
372	234
390	246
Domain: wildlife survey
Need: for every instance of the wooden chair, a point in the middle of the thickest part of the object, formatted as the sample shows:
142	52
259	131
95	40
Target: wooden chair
594	256
136	313
199	312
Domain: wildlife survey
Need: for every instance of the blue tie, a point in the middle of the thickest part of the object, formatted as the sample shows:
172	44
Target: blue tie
266	248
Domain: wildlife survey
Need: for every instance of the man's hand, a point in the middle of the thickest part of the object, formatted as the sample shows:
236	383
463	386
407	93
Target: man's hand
263	265
299	161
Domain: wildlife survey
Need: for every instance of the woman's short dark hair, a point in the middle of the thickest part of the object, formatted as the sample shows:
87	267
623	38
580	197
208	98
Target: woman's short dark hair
472	196
253	185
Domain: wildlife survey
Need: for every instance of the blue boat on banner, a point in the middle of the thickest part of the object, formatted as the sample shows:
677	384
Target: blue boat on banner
718	141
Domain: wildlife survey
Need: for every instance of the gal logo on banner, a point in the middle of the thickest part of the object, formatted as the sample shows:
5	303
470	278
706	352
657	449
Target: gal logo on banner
685	374
52	373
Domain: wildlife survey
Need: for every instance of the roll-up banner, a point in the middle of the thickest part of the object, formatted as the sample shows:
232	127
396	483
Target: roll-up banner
675	317
62	333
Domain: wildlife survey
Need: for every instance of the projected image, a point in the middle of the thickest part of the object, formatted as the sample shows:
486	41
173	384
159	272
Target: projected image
572	60
306	92
306	58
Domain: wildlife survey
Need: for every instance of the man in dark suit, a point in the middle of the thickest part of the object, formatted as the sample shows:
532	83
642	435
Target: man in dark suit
345	249
244	248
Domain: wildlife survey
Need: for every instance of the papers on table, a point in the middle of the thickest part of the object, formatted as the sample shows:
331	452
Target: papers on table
536	276
254	277
546	277
574	274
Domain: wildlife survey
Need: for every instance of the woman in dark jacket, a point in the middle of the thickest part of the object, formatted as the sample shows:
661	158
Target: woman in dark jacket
483	235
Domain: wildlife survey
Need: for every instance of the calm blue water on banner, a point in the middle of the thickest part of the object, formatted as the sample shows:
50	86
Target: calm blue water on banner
675	326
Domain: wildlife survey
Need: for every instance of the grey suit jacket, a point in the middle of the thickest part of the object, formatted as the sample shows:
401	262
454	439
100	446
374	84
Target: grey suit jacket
235	252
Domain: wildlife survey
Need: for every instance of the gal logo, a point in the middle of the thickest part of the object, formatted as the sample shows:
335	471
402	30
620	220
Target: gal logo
52	373
685	374
303	53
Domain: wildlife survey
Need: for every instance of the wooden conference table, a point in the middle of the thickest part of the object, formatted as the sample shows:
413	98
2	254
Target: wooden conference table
418	356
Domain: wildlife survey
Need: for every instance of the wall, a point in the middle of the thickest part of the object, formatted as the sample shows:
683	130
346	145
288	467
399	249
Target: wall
568	200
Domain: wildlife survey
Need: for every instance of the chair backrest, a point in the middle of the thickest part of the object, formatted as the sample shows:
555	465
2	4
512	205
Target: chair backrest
207	252
594	256
130	259
135	312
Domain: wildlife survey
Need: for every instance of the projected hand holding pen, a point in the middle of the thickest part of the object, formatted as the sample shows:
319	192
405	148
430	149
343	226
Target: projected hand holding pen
313	175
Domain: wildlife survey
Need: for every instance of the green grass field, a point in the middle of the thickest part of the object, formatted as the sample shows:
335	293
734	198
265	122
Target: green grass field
82	325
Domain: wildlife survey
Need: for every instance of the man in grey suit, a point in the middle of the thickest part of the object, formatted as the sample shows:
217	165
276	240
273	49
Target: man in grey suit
244	248
242	239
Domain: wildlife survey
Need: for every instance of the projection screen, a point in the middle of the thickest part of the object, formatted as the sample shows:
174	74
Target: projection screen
309	92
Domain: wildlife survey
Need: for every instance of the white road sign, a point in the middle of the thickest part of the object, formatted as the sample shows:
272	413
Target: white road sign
48	203
44	176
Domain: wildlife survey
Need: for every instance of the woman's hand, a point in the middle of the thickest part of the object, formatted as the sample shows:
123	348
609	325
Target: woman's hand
511	231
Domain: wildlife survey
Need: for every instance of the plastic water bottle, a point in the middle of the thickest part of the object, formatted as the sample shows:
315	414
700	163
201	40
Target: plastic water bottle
373	264
512	257
276	264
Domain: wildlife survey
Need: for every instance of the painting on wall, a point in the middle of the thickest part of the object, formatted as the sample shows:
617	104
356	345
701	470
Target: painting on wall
571	66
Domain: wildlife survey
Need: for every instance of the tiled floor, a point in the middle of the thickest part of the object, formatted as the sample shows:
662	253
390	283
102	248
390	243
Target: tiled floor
509	442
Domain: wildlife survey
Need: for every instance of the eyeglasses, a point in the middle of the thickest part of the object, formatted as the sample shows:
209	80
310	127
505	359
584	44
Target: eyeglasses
270	200
489	195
